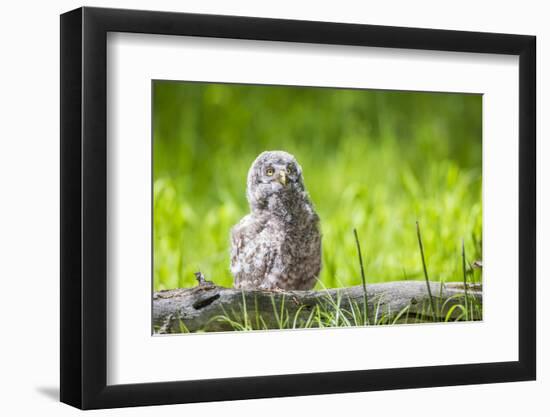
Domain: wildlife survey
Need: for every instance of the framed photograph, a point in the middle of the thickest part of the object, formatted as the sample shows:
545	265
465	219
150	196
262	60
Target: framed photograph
258	207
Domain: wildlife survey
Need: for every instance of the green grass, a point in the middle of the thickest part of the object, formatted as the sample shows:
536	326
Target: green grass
373	161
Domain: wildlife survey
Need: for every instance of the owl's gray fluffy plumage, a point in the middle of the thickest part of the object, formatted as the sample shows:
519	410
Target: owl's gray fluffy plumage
278	244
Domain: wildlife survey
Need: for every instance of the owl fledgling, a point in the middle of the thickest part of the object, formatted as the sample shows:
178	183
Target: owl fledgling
277	245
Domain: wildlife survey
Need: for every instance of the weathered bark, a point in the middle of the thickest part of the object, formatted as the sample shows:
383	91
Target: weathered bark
200	308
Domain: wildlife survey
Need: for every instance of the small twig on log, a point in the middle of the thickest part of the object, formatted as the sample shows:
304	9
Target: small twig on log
202	280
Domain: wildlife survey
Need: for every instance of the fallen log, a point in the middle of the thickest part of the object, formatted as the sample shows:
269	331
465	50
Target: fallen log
208	307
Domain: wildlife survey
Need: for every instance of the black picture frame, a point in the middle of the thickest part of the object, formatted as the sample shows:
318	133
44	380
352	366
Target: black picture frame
84	207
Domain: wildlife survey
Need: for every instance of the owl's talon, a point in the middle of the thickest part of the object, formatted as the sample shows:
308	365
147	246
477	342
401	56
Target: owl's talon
277	290
273	289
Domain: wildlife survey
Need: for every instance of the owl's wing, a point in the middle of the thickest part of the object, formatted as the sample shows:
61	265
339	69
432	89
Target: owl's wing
248	253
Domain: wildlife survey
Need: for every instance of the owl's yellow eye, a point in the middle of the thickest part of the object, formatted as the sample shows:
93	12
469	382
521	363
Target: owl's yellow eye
290	169
270	171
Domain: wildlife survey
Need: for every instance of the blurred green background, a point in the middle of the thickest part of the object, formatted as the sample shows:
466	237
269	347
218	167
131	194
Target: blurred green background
373	160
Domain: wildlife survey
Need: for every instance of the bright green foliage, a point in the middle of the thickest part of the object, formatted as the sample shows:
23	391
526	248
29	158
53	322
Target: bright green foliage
377	161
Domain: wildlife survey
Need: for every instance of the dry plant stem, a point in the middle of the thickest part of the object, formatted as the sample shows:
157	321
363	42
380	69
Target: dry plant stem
465	278
425	270
363	280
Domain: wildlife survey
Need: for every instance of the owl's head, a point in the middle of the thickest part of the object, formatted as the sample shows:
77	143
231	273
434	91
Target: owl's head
275	176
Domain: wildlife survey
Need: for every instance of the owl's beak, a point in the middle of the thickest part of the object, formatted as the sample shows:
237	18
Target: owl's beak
282	177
